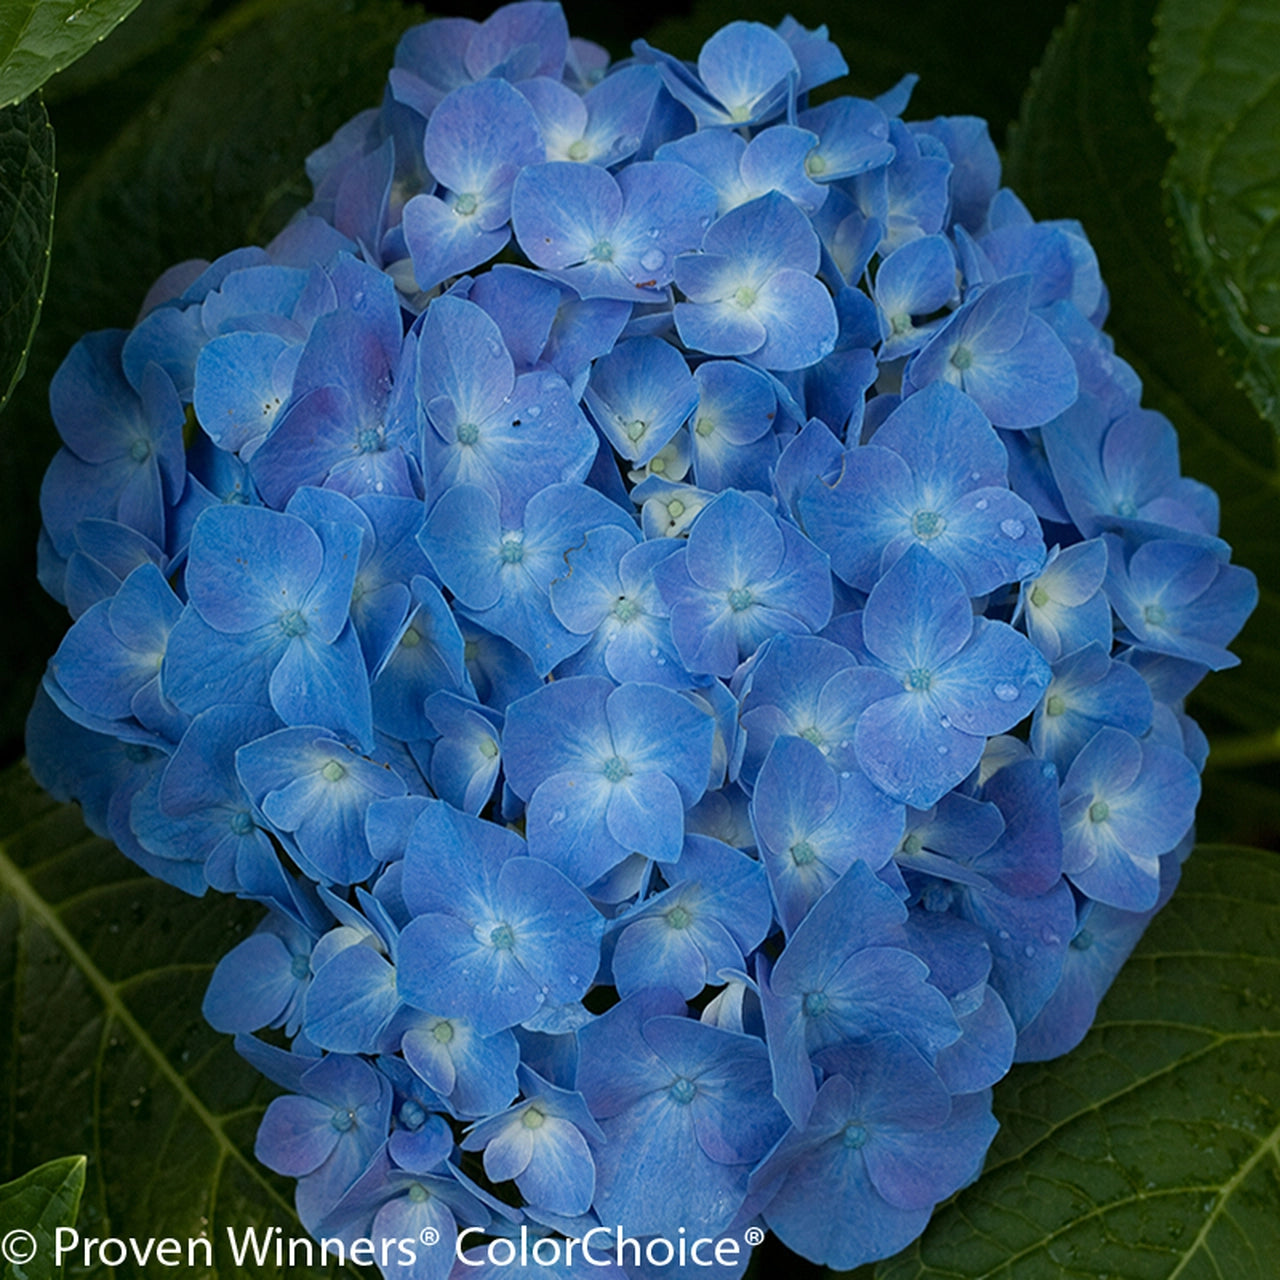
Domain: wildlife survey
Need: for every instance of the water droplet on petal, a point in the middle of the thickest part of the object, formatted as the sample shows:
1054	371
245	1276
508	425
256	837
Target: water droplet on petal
942	751
1006	692
1012	528
652	260
534	411
981	504
945	722
1028	951
975	475
654	232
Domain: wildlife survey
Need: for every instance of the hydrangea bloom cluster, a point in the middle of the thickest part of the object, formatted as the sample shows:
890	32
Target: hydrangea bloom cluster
669	598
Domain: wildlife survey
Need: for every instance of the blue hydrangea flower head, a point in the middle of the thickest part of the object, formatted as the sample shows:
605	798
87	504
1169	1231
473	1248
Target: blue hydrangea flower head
666	594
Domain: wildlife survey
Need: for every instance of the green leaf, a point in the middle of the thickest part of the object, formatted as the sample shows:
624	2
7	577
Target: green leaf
40	37
1217	89
32	1208
1088	146
972	59
213	161
1153	1150
103	1047
27	186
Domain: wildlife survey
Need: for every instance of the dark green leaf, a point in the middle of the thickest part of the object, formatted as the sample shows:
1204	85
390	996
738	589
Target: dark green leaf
27	186
40	37
1217	87
972	59
32	1208
1153	1150
215	160
1088	147
102	1045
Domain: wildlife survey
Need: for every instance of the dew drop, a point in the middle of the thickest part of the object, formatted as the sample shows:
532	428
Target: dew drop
652	260
981	504
1012	528
1028	951
654	232
357	300
975	475
534	411
942	751
945	722
1006	692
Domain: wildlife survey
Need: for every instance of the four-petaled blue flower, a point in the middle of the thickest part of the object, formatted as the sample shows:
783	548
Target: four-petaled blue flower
743	576
961	680
606	771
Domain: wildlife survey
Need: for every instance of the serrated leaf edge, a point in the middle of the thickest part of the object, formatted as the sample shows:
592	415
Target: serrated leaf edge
21	367
54	65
